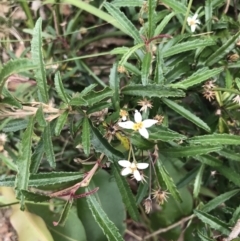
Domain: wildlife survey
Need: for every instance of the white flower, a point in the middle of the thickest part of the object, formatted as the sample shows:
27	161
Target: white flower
236	99
139	125
193	22
132	168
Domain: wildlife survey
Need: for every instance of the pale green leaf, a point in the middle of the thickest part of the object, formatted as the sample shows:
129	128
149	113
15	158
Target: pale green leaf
40	118
146	68
177	6
60	88
128	3
114	85
61	120
86	136
15	125
163	23
198	181
151	18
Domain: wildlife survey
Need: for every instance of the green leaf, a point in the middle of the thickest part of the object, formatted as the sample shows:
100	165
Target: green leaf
140	142
60	88
61	120
8	162
87	89
13	67
86	136
177	6
222	51
15	125
164	134
151	18
187	151
34	197
228	154
50	180
78	101
151	91
114	85
37	157
121	18
208	14
159	72
127	196
213	222
48	146
101	145
10	99
102	219
187	46
72	230
128	3
219	200
132	69
198	181
203	237
24	159
99	107
169	183
163	23
186	114
197	78
146	68
37	59
40	118
110	201
215	139
64	214
94	97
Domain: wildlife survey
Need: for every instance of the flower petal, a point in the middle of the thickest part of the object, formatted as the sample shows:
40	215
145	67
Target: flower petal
149	122
124	163
137	175
195	16
143	132
193	27
142	165
137	116
126	124
126	171
189	19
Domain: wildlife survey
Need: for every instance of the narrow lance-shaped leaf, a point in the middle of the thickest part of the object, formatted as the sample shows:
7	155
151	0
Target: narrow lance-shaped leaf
146	68
13	67
126	193
64	213
186	114
128	3
61	120
37	157
114	85
177	6
37	58
40	118
151	17
48	146
222	51
86	136
163	24
208	14
159	70
60	88
198	181
102	219
121	18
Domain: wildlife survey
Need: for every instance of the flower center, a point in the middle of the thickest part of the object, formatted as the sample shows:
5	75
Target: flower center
137	126
192	22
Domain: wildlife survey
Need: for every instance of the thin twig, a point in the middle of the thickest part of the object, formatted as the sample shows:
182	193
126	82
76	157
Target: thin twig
163	230
133	235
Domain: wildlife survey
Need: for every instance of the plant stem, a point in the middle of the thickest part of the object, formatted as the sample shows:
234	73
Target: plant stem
186	16
28	13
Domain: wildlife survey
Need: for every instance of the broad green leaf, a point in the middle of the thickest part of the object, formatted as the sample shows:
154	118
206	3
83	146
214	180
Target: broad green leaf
40	118
213	222
219	200
52	180
163	23
60	88
177	6
94	97
110	201
24	159
151	18
61	120
102	219
114	85
15	125
127	25
72	230
198	181
187	46
100	144
13	67
198	77
128	3
169	183
215	139
186	114
127	196
146	68
86	136
151	91
37	157
37	59
222	51
48	146
187	151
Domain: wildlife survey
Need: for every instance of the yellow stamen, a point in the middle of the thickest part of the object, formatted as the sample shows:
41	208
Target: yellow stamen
137	126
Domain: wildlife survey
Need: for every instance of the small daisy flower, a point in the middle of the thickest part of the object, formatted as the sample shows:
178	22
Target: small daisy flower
145	104
193	22
236	99
132	168
139	125
123	114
